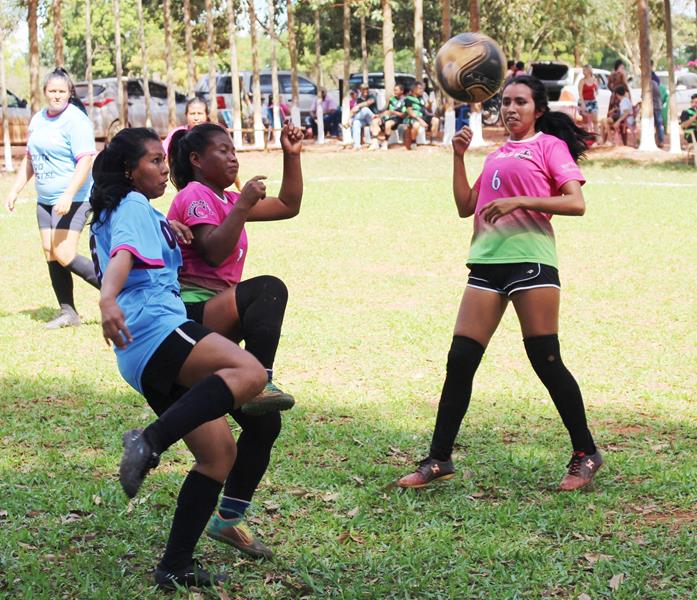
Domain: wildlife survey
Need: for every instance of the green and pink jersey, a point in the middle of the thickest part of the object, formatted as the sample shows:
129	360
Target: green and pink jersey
538	167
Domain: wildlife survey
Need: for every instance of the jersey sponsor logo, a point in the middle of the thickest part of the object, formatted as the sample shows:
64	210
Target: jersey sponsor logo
526	154
569	166
199	209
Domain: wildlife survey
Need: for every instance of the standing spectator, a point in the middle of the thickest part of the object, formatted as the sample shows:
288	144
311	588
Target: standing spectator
588	99
616	78
389	119
519	69
330	115
657	112
510	68
362	113
196	112
59	156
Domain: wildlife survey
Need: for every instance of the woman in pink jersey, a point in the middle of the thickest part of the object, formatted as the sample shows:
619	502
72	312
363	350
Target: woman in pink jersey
512	256
203	165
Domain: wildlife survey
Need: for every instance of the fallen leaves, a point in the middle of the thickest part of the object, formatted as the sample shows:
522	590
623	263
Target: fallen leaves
352	513
616	581
330	497
4	514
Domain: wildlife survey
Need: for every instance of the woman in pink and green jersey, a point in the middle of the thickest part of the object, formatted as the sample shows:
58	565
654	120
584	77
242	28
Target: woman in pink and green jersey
533	176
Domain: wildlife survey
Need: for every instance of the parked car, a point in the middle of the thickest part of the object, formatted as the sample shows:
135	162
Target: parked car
106	111
18	118
307	90
685	87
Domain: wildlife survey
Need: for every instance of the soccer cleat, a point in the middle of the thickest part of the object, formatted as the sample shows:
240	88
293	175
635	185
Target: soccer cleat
271	398
67	318
138	458
429	470
582	468
236	533
193	575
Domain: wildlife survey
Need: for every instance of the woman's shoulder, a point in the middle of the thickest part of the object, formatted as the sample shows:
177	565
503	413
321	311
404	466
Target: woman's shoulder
194	188
134	198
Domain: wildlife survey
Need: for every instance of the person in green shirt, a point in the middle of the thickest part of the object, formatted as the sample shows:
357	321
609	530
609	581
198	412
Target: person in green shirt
688	121
389	119
418	115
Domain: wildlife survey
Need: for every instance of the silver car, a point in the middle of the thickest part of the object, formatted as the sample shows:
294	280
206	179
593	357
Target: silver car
105	110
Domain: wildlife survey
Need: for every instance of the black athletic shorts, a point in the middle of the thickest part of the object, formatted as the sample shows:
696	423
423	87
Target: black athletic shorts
194	310
74	219
159	375
512	277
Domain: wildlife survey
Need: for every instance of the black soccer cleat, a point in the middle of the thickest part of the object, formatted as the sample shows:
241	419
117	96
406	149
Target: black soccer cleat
193	575
138	458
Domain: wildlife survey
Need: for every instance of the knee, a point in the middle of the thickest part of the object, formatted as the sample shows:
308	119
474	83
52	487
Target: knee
265	429
63	255
219	463
464	355
267	288
543	352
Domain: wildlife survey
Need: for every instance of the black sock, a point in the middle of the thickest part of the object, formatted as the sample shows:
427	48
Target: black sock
83	267
253	453
196	502
463	359
261	304
62	282
544	355
206	401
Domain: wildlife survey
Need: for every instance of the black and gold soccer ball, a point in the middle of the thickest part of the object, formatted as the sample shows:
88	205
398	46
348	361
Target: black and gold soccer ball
470	67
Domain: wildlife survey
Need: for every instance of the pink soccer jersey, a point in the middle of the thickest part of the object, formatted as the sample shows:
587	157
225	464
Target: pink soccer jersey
197	204
538	167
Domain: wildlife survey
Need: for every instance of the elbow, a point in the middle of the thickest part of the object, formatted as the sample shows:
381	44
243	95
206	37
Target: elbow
580	208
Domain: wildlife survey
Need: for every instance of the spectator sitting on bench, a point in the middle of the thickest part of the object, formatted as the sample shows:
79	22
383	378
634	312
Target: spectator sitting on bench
418	115
330	115
626	120
389	119
688	121
362	113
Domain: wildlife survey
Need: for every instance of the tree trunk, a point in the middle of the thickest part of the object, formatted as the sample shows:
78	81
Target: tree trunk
275	92
212	71
364	51
235	75
647	128
6	142
318	50
123	116
293	51
388	44
144	69
673	127
34	88
190	70
418	41
445	28
58	33
476	107
474	15
88	57
171	104
256	87
345	98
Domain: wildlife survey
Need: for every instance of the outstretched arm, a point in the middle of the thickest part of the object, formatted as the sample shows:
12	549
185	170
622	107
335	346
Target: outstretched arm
113	321
465	196
24	174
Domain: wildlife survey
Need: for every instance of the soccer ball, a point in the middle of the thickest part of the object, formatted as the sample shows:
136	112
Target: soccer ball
470	67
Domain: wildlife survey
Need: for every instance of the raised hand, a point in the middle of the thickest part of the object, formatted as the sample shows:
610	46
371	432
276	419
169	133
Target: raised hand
291	139
461	140
253	191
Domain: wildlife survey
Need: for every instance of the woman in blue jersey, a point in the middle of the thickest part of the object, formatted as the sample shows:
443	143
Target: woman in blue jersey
59	156
191	377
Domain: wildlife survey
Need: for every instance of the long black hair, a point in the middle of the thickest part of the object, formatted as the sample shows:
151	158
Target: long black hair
111	170
183	143
554	122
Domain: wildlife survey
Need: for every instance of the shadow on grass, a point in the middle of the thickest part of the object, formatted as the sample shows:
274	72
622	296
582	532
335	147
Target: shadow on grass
43	314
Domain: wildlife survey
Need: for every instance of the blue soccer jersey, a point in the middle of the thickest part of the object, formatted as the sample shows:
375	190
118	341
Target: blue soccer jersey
54	147
150	297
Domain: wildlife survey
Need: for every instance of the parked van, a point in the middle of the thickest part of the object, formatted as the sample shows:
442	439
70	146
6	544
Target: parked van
18	117
105	109
307	90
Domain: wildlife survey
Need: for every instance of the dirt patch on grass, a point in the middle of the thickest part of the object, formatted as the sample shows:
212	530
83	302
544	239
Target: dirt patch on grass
628	429
653	515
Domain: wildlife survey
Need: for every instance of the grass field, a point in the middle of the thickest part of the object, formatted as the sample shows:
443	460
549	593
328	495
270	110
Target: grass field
375	268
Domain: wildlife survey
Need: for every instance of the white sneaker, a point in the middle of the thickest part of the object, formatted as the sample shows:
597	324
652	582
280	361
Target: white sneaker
374	145
384	146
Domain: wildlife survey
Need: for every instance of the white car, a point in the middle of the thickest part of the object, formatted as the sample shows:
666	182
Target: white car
685	87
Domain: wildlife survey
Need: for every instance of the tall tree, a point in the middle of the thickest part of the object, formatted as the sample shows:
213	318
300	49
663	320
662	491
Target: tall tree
388	44
188	41
672	126
345	97
58	33
34	88
364	50
445	20
123	117
256	87
6	143
89	57
212	71
275	92
418	40
475	107
144	59
318	50
171	104
235	75
647	127
293	52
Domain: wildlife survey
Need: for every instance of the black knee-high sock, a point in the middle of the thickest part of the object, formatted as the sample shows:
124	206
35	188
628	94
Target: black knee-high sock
253	453
544	355
83	267
62	282
207	400
261	304
463	359
197	499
